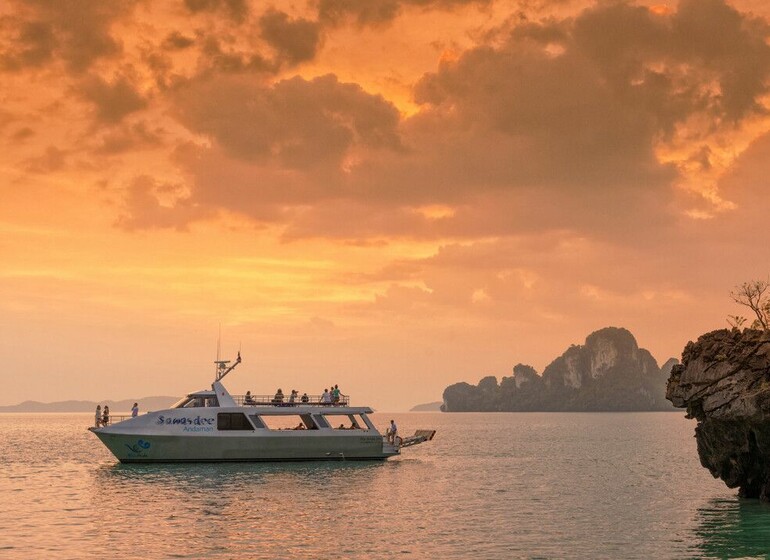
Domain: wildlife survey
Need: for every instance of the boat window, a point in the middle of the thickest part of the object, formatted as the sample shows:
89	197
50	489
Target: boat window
346	421
288	422
257	421
233	421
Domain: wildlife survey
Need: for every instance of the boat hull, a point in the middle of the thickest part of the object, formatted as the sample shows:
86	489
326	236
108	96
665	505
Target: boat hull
282	446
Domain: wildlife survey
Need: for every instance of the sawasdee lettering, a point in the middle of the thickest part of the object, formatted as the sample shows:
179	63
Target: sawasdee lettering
185	421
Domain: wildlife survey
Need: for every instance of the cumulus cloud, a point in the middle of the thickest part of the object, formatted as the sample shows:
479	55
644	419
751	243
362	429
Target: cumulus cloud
112	100
77	31
379	12
294	40
556	124
238	10
150	204
295	123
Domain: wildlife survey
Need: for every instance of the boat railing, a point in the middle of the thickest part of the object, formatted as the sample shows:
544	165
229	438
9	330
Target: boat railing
115	418
271	400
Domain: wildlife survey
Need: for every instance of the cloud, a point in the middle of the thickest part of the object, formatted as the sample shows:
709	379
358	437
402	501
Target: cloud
176	41
112	100
295	123
379	12
237	10
133	137
77	32
294	40
543	126
150	204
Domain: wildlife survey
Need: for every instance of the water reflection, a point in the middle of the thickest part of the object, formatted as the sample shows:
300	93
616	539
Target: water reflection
733	528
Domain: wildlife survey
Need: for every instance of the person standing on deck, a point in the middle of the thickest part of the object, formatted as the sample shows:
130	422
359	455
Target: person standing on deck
98	418
392	432
336	395
135	410
106	415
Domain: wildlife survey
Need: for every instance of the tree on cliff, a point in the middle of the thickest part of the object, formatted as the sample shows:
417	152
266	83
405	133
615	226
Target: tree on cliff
755	296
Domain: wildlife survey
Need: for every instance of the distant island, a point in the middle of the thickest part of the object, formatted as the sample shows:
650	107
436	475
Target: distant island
146	404
608	373
427	407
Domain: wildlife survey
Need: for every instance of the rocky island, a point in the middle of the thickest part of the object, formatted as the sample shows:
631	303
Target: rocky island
608	373
724	383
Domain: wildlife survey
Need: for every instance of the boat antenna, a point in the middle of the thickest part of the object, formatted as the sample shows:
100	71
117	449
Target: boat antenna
223	369
219	341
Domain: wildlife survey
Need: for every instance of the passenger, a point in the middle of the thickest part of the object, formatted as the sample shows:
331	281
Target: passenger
305	399
326	398
342	427
300	426
106	415
292	397
248	399
98	418
135	410
392	432
336	395
278	398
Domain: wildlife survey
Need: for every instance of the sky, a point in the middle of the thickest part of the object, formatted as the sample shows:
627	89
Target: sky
388	195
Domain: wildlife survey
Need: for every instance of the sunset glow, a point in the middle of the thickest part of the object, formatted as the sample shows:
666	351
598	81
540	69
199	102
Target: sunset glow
389	199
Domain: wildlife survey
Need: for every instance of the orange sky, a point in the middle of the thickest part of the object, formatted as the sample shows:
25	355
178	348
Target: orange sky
391	195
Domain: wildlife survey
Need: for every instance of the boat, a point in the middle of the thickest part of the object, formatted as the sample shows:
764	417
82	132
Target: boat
213	426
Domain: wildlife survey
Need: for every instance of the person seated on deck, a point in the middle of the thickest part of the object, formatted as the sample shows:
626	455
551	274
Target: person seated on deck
354	426
300	426
326	398
305	399
248	399
278	398
342	427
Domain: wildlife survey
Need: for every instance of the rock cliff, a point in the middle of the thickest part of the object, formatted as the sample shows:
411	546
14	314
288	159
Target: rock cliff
608	373
724	383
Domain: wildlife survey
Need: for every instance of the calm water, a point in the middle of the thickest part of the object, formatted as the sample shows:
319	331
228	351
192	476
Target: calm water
489	486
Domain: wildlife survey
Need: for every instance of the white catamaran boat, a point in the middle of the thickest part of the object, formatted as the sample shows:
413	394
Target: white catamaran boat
217	426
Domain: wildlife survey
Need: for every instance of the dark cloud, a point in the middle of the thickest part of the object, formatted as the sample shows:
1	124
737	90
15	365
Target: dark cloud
145	210
137	136
294	40
77	31
379	12
51	161
297	123
24	133
217	59
238	10
112	100
176	41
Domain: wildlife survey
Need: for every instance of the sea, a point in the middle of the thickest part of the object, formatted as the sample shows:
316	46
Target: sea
489	486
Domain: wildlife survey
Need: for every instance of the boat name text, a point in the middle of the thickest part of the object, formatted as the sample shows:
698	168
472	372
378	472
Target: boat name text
186	421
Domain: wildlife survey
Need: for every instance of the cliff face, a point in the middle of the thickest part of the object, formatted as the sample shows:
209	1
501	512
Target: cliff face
609	373
724	382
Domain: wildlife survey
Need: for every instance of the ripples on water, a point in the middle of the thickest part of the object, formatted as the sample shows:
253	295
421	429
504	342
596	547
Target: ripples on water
489	486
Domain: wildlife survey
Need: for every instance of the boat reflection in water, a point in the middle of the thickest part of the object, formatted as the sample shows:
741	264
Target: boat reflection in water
213	426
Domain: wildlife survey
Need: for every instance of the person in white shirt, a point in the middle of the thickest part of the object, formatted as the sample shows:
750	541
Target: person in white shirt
326	398
392	432
135	410
98	418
